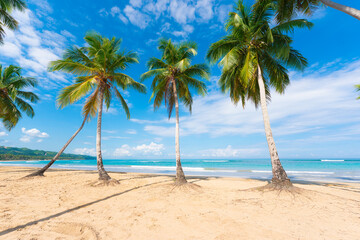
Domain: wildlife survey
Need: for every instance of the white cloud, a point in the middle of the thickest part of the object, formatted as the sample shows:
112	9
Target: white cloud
205	9
85	151
111	110
136	3
142	12
163	131
10	50
123	19
44	7
229	151
123	151
109	131
67	34
114	11
103	12
33	48
131	131
222	12
105	138
181	11
152	148
2	134
187	29
140	150
136	17
310	104
42	56
25	139
33	134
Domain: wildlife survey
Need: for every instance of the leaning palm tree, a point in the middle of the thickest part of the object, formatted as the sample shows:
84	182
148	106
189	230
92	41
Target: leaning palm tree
13	97
173	76
6	20
287	8
254	57
98	67
41	171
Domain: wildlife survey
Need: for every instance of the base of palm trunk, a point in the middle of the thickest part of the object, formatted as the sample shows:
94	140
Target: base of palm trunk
180	176
103	176
102	183
180	180
35	174
280	183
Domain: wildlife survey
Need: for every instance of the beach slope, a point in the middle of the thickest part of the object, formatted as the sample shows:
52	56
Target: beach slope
70	205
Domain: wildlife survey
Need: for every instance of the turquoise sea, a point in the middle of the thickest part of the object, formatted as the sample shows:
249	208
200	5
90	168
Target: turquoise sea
325	170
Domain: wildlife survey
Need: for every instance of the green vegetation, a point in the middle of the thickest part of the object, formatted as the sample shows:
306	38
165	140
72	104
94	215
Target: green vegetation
6	20
13	153
173	77
285	9
98	68
13	98
254	57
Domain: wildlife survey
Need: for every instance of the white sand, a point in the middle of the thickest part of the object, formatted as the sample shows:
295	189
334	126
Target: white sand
64	205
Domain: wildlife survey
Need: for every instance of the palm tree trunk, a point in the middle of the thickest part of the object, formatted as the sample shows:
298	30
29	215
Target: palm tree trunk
348	10
47	166
279	174
180	176
100	166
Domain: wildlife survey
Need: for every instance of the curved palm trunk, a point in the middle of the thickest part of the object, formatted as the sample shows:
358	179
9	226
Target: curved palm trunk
348	10
47	166
100	166
180	176
279	174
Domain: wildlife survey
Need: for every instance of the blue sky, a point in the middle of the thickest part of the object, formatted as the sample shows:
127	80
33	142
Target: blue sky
318	117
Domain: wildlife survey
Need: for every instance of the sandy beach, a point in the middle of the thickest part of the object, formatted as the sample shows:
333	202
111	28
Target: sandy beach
68	204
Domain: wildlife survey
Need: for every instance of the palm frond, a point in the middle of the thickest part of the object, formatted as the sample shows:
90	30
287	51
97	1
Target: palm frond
123	103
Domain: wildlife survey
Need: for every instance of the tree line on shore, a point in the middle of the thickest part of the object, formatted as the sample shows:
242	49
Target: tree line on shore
14	153
255	56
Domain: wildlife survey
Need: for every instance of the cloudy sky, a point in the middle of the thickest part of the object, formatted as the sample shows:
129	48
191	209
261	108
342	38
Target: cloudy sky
317	117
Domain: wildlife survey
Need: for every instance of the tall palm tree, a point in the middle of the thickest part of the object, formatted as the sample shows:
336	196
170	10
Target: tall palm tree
6	20
13	97
98	67
287	8
173	76
254	57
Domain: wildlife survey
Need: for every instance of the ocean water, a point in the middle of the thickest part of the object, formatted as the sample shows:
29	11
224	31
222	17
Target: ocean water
323	170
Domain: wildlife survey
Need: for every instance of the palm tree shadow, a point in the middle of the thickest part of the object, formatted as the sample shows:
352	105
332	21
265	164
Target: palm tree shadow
2	233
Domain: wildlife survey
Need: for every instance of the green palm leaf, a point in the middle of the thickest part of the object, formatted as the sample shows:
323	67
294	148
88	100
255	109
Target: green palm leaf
13	100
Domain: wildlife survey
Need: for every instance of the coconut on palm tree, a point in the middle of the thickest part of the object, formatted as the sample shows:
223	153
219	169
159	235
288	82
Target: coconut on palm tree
6	20
254	57
173	77
98	67
14	97
287	8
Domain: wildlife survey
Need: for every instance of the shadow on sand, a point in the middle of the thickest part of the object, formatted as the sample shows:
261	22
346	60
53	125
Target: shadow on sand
2	233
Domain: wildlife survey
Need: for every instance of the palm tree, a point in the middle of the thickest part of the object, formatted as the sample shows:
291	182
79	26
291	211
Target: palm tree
98	68
287	8
254	56
41	171
13	98
358	89
6	20
173	76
